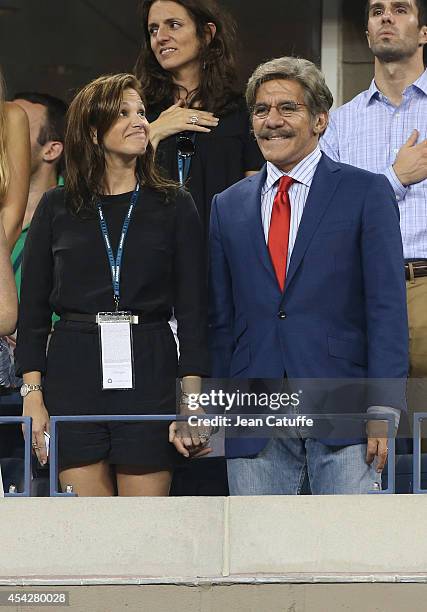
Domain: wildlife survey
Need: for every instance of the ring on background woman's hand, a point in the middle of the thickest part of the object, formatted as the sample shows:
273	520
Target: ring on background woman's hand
194	119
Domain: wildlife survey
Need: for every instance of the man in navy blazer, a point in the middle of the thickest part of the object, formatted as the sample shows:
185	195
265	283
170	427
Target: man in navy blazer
317	292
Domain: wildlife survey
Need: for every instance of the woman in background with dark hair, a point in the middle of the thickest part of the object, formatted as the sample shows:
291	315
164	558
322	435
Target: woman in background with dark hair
199	123
114	203
199	126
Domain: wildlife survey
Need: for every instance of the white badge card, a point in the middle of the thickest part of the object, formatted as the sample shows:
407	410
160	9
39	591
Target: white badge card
116	350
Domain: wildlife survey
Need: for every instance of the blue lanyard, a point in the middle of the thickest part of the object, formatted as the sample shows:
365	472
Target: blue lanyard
115	263
184	164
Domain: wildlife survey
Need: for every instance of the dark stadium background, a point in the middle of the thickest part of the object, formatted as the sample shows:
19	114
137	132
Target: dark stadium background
56	46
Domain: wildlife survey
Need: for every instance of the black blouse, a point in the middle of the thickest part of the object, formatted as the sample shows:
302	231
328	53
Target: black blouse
66	269
221	158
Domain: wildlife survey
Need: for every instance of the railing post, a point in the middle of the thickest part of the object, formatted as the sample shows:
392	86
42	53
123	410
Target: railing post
27	421
418	419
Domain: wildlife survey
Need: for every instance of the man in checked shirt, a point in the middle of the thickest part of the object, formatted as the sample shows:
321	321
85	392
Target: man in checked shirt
384	130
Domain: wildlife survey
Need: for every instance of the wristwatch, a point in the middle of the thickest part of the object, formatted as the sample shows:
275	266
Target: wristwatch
26	389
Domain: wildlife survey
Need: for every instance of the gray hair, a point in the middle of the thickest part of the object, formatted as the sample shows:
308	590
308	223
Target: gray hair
317	95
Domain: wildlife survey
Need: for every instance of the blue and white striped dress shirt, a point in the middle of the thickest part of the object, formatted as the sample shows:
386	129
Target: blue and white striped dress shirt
368	132
298	192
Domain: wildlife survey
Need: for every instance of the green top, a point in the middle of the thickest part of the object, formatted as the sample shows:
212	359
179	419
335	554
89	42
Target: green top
16	257
17	253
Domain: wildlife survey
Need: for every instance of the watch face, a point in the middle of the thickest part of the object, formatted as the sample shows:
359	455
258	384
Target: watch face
24	390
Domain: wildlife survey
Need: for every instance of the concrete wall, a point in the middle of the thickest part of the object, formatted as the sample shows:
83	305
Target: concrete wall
346	59
357	60
239	598
248	554
238	539
332	43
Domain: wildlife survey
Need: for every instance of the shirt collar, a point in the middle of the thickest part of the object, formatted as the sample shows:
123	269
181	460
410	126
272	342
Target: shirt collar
420	83
302	173
372	91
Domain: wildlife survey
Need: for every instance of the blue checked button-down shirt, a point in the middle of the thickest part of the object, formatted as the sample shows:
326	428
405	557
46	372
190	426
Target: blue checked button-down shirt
298	192
368	132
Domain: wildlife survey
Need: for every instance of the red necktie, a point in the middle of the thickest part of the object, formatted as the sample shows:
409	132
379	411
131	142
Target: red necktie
278	235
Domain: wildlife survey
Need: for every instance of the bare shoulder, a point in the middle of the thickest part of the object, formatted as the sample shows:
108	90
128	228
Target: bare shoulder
16	117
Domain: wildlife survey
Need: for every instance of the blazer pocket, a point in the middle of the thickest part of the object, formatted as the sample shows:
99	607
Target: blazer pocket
353	350
239	328
240	360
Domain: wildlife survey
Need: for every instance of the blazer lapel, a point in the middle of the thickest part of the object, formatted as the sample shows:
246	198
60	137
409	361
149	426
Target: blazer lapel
252	206
325	182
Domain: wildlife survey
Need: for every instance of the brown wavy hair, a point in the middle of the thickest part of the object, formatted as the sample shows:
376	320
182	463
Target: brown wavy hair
97	107
4	165
218	75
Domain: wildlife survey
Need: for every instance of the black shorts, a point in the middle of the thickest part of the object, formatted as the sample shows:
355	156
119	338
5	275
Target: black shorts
117	443
73	355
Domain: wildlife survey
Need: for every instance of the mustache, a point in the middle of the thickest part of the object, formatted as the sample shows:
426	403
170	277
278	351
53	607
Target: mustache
283	132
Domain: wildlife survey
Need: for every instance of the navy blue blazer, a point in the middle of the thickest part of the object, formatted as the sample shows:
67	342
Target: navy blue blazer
344	299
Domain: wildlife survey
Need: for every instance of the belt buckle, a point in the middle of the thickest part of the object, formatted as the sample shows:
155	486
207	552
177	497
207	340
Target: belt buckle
415	269
104	317
113	317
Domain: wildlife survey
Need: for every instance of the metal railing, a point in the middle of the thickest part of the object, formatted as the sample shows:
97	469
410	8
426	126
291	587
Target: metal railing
53	451
172	417
27	422
419	417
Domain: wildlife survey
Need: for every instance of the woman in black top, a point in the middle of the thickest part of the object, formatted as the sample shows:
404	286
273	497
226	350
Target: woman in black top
66	269
188	71
187	67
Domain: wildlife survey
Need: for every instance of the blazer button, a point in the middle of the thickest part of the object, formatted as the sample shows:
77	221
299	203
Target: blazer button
281	314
